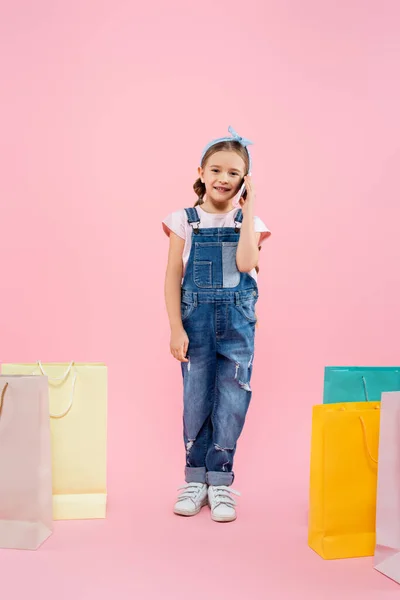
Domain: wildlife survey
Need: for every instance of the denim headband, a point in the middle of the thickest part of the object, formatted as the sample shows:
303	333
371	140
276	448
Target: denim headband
235	138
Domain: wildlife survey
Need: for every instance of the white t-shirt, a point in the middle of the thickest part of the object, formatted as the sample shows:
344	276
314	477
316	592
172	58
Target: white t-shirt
178	223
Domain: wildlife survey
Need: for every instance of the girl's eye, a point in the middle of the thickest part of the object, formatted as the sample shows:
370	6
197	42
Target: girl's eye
233	174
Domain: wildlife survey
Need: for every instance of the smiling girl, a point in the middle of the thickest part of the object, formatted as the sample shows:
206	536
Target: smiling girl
210	293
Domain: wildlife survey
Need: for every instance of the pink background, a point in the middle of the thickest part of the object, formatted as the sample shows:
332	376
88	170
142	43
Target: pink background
106	106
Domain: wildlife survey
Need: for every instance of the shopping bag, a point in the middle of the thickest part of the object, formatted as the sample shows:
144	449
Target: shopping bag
78	411
359	384
343	479
387	551
25	463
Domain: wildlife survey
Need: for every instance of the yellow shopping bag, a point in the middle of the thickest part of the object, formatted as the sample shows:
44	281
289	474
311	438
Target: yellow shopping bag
343	479
78	410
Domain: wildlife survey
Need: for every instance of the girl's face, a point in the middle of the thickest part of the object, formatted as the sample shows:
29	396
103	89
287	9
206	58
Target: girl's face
223	174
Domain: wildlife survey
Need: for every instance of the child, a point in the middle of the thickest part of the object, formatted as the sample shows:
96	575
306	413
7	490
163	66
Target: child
211	292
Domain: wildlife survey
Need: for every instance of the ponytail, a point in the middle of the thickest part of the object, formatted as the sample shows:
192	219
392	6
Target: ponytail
200	190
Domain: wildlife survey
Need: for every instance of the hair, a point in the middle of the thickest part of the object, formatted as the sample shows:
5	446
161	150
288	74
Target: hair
230	146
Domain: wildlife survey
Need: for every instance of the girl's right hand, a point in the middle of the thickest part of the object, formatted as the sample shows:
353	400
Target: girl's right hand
179	344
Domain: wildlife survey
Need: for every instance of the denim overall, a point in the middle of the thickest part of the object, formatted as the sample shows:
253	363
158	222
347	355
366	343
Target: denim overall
218	314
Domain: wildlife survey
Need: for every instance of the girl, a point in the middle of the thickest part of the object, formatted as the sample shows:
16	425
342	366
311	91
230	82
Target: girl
211	292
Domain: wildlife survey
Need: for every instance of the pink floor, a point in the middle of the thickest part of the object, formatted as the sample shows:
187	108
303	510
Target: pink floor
149	553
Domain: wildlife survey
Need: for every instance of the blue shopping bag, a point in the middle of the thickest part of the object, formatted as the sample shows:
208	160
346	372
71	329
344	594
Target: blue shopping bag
359	384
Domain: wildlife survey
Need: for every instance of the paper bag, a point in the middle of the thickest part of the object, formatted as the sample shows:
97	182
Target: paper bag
359	384
343	479
78	410
387	551
25	463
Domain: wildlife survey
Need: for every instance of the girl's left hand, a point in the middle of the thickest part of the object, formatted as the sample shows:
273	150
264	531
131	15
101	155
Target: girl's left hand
247	204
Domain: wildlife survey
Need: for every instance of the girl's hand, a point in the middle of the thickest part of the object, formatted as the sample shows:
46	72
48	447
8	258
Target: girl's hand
179	344
247	204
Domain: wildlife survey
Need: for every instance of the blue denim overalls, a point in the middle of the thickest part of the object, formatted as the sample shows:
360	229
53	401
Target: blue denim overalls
218	314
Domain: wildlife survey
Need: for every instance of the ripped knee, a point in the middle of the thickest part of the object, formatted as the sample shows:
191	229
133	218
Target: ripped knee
227	464
242	375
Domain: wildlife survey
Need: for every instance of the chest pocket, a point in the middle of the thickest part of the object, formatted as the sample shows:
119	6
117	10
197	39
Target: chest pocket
215	265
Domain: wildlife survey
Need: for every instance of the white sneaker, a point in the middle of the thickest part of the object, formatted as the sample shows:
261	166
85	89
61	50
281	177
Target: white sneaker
191	500
221	503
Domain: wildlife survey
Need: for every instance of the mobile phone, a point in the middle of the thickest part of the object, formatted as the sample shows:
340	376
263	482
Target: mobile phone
242	193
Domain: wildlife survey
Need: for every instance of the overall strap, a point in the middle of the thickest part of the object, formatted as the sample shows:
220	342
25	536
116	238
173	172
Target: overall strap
193	218
238	220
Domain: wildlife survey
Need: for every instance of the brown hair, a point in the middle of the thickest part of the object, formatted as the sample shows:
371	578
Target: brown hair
200	188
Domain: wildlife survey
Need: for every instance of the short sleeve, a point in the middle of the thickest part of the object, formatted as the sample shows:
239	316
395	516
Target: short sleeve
175	222
260	227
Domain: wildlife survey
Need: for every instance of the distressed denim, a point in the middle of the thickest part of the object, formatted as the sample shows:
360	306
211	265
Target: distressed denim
218	314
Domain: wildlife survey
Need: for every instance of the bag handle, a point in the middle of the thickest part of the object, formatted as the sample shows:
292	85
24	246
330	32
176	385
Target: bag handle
3	393
61	379
366	440
365	389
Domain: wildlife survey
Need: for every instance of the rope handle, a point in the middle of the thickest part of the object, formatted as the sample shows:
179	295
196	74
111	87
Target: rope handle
366	440
70	403
3	393
61	379
365	389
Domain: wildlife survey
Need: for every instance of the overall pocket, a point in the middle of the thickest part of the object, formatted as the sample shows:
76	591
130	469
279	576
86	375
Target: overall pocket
203	273
230	272
186	309
247	308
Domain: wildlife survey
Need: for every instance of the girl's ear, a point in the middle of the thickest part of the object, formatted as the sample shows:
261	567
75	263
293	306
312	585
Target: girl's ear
200	172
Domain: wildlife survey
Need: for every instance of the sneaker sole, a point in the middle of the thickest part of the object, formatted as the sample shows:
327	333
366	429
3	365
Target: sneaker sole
183	513
223	519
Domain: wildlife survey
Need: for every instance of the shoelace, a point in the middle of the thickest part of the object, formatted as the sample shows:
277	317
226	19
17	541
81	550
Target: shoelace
222	495
192	490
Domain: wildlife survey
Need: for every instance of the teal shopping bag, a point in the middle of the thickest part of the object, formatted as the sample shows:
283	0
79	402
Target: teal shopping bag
359	384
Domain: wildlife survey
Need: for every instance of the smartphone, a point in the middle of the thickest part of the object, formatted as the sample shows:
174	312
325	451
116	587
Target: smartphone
242	193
